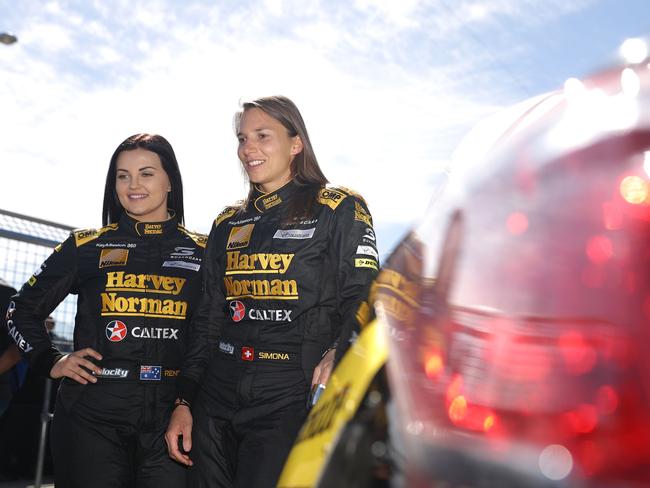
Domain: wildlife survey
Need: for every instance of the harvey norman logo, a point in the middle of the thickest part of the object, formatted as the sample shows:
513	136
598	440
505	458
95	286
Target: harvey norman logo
240	236
115	305
238	263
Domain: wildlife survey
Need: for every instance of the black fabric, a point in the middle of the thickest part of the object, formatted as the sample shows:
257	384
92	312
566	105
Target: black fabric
120	446
276	296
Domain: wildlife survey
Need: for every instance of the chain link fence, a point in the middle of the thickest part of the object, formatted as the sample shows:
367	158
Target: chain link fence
25	242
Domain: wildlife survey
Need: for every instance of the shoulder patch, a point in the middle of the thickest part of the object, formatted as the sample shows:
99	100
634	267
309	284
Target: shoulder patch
352	193
332	197
200	240
225	213
81	237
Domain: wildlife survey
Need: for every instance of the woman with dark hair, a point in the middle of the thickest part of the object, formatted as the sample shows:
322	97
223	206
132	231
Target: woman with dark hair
138	279
286	270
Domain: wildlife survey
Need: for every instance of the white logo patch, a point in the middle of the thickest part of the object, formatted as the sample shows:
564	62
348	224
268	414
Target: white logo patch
294	233
226	347
368	251
182	264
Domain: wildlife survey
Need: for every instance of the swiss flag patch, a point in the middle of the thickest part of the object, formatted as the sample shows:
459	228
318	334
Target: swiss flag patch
247	353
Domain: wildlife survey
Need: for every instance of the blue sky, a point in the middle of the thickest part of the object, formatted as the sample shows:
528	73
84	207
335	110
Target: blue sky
387	88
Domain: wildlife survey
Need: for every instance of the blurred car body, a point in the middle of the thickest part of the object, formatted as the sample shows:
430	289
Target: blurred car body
515	318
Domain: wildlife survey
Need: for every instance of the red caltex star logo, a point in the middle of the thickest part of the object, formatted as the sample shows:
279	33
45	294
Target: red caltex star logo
247	353
116	331
237	310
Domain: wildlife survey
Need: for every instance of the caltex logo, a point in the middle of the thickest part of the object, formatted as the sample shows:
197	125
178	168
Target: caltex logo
116	331
237	310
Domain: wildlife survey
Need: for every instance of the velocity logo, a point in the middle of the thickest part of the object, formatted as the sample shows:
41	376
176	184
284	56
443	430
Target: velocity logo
116	331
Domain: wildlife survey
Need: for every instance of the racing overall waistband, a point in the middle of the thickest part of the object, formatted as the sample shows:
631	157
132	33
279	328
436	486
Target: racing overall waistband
116	370
254	353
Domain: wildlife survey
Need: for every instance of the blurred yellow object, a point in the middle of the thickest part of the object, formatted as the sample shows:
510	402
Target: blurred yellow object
337	406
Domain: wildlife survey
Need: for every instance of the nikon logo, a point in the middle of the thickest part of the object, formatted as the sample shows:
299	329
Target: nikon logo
121	281
238	263
240	236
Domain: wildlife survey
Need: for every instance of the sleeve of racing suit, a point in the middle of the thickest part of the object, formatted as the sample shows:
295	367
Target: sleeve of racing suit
37	298
205	323
355	250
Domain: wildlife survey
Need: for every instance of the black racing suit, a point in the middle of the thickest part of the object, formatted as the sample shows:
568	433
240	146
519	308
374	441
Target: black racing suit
276	297
138	284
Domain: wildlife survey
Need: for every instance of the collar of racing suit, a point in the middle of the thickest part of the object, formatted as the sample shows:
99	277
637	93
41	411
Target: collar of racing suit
263	202
149	229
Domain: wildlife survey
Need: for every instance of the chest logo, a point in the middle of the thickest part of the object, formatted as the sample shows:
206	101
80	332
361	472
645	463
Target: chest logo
240	236
116	331
237	310
113	257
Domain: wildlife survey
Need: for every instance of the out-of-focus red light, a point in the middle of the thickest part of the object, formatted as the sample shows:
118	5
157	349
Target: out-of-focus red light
433	365
579	356
489	422
599	249
607	399
458	409
517	223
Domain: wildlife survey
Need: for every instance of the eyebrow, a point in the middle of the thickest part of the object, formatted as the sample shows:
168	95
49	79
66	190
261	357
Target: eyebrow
259	129
139	169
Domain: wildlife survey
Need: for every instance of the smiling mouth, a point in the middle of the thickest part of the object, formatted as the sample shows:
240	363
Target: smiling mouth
138	196
254	163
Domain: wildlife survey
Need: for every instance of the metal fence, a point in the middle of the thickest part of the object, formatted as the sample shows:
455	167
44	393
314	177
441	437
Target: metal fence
25	242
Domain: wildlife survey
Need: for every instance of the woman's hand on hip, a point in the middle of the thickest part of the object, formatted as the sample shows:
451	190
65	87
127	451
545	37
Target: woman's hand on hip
76	367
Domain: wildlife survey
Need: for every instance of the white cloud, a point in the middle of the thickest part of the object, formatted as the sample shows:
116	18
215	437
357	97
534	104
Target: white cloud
383	116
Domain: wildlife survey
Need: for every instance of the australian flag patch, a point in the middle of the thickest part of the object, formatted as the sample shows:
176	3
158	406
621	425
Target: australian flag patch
150	373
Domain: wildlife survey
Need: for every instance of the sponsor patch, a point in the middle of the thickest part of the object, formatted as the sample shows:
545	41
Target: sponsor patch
150	373
369	235
113	257
237	310
238	313
182	252
273	356
365	263
153	229
225	213
171	373
330	197
154	333
10	311
240	236
272	201
368	251
361	215
239	263
116	331
182	264
118	373
226	347
294	233
248	353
